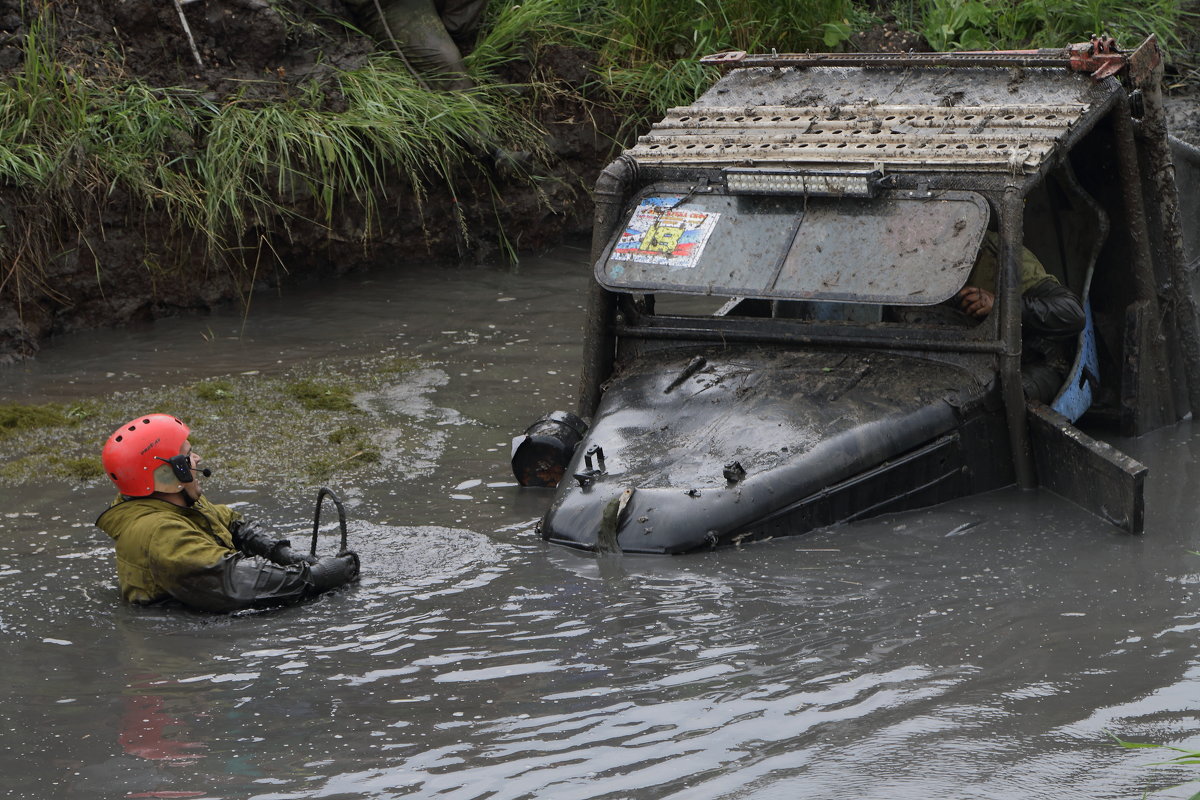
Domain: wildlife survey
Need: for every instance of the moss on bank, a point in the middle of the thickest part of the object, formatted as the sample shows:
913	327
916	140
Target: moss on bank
309	424
17	418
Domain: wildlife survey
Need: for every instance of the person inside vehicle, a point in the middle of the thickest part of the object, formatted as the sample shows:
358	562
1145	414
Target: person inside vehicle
1051	317
172	544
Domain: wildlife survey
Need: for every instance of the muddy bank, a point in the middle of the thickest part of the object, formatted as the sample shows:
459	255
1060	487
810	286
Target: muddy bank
109	260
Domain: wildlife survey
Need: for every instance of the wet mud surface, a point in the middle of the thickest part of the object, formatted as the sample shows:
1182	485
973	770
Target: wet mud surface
977	650
1183	112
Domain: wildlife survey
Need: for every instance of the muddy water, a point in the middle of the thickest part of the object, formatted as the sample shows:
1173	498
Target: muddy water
978	650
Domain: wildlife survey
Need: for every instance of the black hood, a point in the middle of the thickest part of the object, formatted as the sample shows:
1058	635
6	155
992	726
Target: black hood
701	445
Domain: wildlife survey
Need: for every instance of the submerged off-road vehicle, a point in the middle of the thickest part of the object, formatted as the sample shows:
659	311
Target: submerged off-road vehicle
752	364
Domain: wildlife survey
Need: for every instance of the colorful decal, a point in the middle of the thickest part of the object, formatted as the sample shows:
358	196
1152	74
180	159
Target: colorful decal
659	233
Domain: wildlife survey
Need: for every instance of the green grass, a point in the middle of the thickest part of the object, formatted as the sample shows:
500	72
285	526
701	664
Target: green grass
214	391
82	468
16	418
318	395
986	24
1186	758
648	48
223	171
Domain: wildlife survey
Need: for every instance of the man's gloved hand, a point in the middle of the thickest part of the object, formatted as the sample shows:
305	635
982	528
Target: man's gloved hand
250	537
285	556
357	564
332	571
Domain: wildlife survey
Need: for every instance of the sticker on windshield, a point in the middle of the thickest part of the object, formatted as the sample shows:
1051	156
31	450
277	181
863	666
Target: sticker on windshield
660	234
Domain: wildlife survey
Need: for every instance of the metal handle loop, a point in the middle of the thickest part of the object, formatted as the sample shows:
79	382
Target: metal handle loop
321	495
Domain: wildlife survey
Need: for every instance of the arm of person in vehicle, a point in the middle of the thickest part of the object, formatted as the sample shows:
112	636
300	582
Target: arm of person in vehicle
1051	309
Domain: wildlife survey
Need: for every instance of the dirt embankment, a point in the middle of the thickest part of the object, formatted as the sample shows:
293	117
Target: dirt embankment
112	263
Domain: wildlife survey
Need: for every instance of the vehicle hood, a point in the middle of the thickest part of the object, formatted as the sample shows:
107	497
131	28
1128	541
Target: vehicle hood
795	422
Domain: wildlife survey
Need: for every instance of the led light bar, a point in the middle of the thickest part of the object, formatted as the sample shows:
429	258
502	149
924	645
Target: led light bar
814	183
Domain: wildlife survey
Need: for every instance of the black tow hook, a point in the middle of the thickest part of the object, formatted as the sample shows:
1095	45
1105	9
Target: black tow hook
321	495
586	477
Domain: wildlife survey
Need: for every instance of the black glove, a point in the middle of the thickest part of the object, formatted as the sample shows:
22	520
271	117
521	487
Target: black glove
285	556
249	537
332	571
354	557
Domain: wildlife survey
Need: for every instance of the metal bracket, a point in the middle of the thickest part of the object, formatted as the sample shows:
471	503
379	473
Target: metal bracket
1099	56
589	475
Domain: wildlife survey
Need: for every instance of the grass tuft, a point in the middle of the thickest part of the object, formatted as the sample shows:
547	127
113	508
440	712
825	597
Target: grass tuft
16	418
320	396
214	391
986	24
83	468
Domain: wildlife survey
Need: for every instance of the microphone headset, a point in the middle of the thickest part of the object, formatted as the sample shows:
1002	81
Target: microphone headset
182	467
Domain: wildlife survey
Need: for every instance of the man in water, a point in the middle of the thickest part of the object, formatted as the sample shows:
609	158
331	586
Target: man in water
1051	316
173	544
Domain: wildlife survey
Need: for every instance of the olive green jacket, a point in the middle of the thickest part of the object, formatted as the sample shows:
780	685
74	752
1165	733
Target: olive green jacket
168	552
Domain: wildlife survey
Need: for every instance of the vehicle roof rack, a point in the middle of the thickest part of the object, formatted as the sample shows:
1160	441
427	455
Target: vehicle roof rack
1099	56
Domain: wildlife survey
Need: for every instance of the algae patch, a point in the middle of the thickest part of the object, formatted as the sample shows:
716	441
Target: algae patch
17	418
320	395
308	425
214	391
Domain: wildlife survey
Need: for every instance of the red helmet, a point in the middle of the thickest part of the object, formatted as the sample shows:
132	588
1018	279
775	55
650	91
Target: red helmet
139	447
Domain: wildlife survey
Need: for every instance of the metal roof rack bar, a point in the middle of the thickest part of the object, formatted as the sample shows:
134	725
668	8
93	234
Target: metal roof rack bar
1099	56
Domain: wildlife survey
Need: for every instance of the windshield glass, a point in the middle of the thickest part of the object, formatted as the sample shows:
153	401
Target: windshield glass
896	249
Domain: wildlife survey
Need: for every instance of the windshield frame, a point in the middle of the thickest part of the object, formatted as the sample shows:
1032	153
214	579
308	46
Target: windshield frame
771	244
